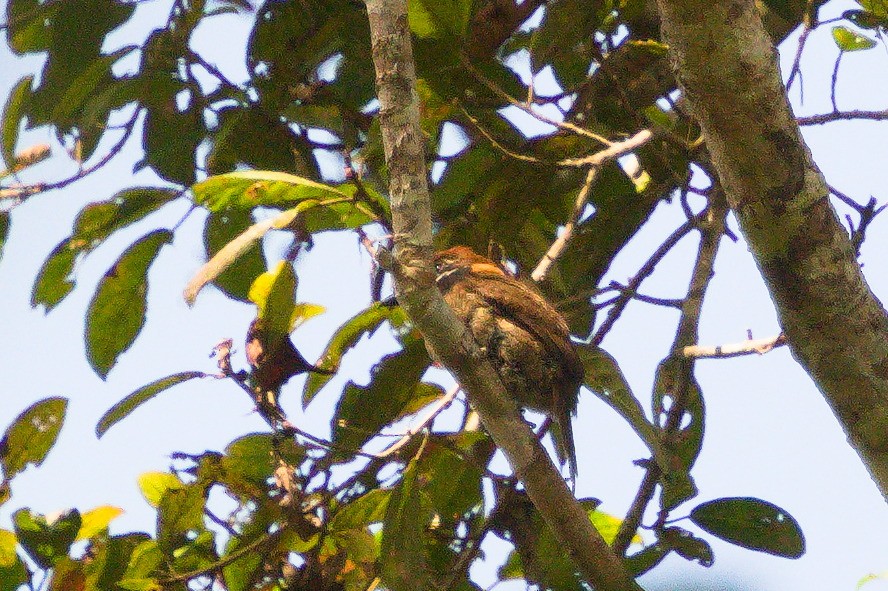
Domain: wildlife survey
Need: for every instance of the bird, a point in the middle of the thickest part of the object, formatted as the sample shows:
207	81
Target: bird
274	363
524	337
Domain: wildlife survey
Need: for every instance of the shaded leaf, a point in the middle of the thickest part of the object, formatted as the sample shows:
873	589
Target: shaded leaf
179	516
109	556
688	546
346	337
46	541
122	409
254	457
361	512
31	435
13	113
403	554
751	523
143	562
117	310
4	230
94	224
364	410
647	558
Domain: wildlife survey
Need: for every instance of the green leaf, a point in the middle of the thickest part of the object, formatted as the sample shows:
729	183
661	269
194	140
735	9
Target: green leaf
254	457
878	8
46	542
273	294
364	410
143	562
439	18
221	228
4	230
155	484
253	188
31	435
13	576
453	484
96	520
606	380
403	554
647	558
675	382
171	139
122	409
7	548
13	113
117	311
109	556
94	224
365	510
848	40
687	545
751	523
346	337
179	515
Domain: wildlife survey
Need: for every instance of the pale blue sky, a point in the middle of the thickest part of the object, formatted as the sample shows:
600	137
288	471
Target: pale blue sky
769	432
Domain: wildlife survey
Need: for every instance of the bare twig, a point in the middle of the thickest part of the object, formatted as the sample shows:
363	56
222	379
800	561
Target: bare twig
748	347
843	116
433	411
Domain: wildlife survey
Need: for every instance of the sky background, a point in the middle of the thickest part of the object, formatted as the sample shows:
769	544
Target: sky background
769	432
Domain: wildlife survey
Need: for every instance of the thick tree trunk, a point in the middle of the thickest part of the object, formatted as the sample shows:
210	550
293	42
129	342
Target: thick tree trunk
837	329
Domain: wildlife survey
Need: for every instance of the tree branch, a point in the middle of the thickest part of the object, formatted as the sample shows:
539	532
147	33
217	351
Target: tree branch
446	337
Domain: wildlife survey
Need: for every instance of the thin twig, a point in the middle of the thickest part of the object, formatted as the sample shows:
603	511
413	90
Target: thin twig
748	347
527	108
433	411
843	116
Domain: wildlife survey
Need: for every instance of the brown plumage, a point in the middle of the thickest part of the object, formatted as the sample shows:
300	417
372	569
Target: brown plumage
526	339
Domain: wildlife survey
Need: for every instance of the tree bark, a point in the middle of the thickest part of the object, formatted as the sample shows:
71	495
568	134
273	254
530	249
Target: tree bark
836	328
451	343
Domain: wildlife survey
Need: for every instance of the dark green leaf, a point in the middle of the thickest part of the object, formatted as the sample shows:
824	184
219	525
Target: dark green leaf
688	546
878	8
404	556
346	337
605	379
364	410
171	138
254	457
453	484
848	40
31	435
647	558
94	224
109	559
13	575
131	402
13	113
46	543
222	228
752	523
144	561
675	384
4	230
117	311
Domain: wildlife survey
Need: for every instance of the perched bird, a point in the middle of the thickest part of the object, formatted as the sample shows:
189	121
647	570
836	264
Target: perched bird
525	338
274	363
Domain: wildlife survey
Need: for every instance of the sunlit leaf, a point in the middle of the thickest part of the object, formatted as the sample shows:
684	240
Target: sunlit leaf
273	294
848	40
46	540
751	523
7	548
439	18
96	520
117	311
363	511
31	435
129	403
155	484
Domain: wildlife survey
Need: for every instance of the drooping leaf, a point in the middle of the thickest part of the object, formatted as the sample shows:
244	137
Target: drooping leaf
346	337
676	385
688	546
221	228
46	540
117	310
94	224
273	294
242	244
13	112
122	409
403	554
751	523
96	520
848	40
31	435
364	410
